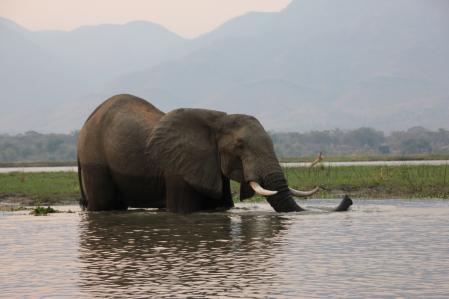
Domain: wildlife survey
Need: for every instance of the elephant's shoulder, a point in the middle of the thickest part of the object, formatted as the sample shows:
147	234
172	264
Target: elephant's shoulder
128	100
123	103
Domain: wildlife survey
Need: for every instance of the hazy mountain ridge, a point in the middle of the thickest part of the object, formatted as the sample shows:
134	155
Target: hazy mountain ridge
351	63
105	51
27	73
317	64
49	79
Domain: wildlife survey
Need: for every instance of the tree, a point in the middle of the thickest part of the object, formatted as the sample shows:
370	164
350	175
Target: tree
415	146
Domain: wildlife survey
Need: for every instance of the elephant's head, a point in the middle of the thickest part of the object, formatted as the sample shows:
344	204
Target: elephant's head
202	146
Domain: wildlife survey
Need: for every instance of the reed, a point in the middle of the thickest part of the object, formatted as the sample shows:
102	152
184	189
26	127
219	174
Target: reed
40	188
357	181
373	181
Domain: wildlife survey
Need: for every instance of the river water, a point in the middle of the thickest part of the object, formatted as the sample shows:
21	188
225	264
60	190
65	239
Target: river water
286	165
379	249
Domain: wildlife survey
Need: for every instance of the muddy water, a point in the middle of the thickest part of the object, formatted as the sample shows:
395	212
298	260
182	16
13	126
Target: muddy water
380	249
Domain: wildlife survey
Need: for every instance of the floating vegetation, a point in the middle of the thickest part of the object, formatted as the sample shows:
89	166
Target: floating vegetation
42	211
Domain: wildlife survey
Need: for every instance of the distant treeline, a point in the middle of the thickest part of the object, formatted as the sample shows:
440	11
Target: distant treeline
362	142
33	146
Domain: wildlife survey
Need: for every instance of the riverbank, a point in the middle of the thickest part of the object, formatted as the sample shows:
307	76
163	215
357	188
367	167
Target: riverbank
368	158
375	182
352	158
30	189
405	181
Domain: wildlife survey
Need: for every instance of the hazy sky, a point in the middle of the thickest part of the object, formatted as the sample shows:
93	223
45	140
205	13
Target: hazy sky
185	17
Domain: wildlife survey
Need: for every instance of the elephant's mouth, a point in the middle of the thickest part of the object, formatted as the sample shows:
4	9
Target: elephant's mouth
266	192
282	198
277	192
261	190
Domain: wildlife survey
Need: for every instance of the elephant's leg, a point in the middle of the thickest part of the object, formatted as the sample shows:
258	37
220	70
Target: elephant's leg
181	197
99	189
225	202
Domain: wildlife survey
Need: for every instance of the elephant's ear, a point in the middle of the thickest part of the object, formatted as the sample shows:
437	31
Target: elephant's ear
246	191
183	143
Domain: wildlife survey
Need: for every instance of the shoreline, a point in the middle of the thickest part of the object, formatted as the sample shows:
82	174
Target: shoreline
12	201
339	159
370	182
20	200
284	165
20	203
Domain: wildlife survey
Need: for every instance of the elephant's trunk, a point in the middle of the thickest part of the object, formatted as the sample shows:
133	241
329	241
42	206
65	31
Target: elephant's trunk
344	204
282	201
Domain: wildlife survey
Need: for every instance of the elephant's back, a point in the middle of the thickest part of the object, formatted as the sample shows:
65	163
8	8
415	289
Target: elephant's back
125	103
116	131
111	151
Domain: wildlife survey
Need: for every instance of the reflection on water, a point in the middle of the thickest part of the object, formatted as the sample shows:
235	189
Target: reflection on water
379	249
212	254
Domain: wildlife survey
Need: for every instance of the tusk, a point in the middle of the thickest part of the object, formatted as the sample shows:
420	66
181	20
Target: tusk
259	190
304	193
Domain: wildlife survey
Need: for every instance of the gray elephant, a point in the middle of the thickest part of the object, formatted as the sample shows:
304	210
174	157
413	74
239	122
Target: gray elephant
130	154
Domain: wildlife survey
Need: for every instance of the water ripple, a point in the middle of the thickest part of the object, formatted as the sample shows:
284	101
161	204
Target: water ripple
381	249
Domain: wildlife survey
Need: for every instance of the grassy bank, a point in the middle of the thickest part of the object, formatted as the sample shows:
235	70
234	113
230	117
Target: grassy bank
39	188
357	181
374	181
356	158
351	158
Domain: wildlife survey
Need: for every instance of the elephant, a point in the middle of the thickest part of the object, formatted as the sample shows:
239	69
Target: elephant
131	154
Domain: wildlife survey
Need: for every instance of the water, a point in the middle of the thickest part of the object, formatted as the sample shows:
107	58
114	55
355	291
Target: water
286	165
380	249
39	169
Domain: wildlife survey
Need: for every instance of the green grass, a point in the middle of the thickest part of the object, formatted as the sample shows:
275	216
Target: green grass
355	158
374	181
41	211
357	181
48	188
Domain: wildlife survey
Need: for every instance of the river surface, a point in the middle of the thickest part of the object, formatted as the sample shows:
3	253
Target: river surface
379	249
286	165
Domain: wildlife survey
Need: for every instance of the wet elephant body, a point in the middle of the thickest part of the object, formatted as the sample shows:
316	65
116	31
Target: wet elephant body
131	154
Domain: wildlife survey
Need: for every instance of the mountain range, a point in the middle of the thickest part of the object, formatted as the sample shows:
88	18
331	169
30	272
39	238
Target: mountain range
317	64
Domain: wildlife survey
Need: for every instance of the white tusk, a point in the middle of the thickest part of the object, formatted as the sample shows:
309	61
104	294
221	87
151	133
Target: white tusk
259	190
304	193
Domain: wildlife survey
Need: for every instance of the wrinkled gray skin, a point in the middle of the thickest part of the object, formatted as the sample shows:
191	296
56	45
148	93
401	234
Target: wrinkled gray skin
130	154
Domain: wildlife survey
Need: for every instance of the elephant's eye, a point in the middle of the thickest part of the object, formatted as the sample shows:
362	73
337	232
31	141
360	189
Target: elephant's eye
239	143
